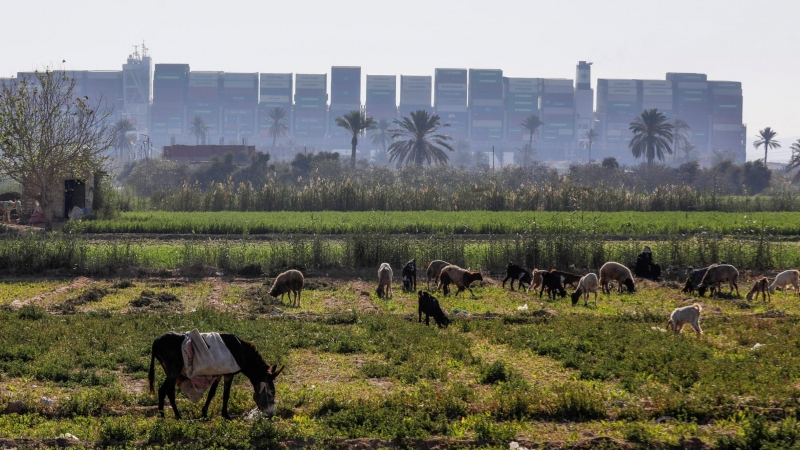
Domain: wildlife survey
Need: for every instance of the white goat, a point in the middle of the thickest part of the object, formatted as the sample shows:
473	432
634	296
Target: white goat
587	284
385	281
687	314
786	278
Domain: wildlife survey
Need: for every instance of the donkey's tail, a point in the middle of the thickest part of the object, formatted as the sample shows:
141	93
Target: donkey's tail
151	376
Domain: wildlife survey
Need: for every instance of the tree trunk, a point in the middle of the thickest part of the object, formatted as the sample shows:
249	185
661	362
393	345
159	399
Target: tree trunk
530	140
765	152
274	139
590	150
354	143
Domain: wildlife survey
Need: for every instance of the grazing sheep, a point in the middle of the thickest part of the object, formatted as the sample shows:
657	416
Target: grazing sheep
410	276
587	284
429	306
433	271
687	314
614	271
515	272
552	282
786	278
462	278
694	279
716	275
567	278
760	287
384	281
290	281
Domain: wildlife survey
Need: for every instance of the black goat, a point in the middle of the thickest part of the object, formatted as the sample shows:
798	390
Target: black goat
410	276
515	272
429	306
552	282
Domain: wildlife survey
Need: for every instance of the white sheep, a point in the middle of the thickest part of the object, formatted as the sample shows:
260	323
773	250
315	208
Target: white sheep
786	278
587	284
290	281
614	271
433	271
385	281
687	314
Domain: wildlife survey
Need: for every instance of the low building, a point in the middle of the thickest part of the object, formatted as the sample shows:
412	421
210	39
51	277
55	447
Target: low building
204	153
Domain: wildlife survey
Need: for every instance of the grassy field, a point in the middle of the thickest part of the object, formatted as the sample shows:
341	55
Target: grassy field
360	372
438	222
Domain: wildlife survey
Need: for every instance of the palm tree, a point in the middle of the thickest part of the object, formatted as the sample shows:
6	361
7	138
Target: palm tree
652	135
419	140
527	153
531	124
589	138
688	152
124	139
383	136
794	161
198	128
276	119
357	123
767	139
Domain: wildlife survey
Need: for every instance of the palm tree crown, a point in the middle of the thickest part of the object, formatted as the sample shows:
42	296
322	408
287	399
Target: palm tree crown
419	141
123	136
588	139
652	135
276	119
383	135
531	124
357	123
767	139
198	128
794	161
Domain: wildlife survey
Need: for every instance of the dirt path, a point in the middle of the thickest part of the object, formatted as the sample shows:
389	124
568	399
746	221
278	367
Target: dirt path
75	284
215	296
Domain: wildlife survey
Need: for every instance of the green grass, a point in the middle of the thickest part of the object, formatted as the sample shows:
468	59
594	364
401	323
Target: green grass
438	222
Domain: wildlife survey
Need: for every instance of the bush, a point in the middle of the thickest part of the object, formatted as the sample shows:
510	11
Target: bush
116	431
494	373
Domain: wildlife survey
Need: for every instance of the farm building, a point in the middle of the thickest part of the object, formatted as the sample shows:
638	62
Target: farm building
76	192
204	153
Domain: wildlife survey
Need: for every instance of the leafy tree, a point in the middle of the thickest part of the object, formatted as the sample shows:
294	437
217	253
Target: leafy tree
652	135
527	154
148	176
199	129
721	156
588	139
756	176
794	161
766	137
610	162
278	125
687	152
383	135
124	139
215	171
303	164
531	124
48	134
419	140
357	123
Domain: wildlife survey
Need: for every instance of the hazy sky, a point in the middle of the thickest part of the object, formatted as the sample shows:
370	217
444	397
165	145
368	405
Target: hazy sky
755	42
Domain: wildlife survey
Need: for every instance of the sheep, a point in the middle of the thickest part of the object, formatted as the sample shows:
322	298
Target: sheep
587	284
716	275
687	314
462	278
515	272
552	282
429	306
760	287
433	271
614	271
409	275
384	281
786	278
567	278
537	279
694	278
290	281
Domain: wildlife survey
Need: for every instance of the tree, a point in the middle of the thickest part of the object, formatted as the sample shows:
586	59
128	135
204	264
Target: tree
722	156
680	136
419	140
588	139
527	153
357	123
531	124
276	119
652	135
688	152
383	135
794	161
767	139
124	139
609	162
48	135
198	129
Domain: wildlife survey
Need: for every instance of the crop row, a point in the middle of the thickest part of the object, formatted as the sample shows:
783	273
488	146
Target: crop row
34	254
438	222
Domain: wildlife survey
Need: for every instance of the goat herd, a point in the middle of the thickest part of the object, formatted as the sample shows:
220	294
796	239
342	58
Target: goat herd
444	274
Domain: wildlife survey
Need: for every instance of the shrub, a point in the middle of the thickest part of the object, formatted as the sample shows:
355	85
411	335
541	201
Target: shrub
494	373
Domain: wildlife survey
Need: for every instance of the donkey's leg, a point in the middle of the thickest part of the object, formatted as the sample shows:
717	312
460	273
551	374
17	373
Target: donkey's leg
168	389
226	394
211	392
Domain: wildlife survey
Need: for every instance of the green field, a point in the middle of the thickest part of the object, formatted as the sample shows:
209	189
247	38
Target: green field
358	368
437	222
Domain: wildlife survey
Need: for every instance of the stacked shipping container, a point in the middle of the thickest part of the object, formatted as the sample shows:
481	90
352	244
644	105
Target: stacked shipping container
205	101
521	100
104	87
486	104
415	93
451	100
137	90
558	111
382	97
310	105
727	131
170	93
275	92
617	105
690	97
345	97
239	105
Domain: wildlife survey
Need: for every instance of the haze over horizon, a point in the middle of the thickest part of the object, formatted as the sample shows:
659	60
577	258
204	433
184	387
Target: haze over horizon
725	39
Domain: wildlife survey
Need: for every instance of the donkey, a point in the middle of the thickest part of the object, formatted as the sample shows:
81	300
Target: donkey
167	349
